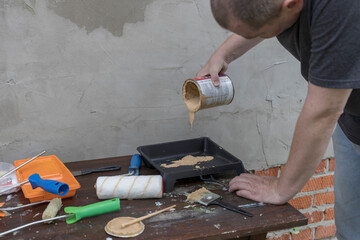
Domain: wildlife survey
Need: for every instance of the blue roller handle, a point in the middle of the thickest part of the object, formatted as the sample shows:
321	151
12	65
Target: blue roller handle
50	186
135	164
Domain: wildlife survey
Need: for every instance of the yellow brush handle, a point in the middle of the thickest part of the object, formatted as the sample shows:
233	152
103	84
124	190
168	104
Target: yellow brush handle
146	216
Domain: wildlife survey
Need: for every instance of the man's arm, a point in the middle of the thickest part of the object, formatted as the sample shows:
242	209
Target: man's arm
234	47
322	108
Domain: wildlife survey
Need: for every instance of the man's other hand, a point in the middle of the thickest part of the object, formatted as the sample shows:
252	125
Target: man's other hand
256	187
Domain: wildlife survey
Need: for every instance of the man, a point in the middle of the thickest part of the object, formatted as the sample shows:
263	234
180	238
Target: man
324	36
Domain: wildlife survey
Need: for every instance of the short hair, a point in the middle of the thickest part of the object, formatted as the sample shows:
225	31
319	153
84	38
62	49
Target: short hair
255	13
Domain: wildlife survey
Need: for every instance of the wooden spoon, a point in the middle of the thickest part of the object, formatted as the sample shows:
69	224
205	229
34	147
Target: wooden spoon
146	216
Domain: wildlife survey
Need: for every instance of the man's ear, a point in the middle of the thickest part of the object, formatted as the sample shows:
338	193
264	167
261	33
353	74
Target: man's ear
293	5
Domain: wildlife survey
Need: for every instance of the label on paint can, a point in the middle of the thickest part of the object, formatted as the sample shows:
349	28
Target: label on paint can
204	94
215	96
200	93
6	182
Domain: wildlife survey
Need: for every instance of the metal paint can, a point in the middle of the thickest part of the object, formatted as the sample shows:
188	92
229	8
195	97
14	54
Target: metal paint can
200	93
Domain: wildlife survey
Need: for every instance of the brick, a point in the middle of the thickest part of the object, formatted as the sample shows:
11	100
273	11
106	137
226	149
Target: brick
285	236
329	214
314	216
306	234
332	164
268	172
318	183
325	231
301	202
324	198
322	166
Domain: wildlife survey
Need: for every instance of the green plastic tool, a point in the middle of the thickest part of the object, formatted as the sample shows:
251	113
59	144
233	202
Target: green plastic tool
77	213
94	209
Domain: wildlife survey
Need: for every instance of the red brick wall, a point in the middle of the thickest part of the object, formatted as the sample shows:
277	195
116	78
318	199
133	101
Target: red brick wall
315	201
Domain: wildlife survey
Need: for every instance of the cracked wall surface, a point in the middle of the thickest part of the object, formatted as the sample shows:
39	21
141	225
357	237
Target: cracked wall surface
94	79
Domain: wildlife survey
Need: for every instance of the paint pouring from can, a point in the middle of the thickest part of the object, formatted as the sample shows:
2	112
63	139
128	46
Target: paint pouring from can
200	93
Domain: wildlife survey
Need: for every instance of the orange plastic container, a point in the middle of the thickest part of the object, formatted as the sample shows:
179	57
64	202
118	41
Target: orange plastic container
48	167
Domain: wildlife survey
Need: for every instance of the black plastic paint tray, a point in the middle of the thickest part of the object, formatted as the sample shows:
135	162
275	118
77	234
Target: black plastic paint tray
157	154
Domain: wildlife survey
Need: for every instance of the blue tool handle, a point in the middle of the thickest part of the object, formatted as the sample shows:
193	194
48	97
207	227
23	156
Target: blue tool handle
135	164
50	186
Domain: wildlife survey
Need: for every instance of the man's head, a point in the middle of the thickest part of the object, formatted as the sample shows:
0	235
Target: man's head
254	18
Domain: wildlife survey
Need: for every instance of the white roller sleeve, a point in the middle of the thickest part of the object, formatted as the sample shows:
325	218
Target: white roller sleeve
129	187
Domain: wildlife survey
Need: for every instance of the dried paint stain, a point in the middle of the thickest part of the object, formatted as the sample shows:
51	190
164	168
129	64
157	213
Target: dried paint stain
217	226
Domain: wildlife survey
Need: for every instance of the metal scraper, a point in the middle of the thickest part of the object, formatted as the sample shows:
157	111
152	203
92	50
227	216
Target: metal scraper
209	198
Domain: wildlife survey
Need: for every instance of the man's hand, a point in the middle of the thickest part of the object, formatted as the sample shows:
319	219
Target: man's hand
214	66
257	188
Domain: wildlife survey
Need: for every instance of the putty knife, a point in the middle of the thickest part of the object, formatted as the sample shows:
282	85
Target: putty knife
210	198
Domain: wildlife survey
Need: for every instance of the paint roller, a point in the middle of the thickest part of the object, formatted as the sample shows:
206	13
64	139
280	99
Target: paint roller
130	185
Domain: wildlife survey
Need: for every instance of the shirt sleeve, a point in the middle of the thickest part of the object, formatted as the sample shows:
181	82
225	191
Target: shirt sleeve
335	44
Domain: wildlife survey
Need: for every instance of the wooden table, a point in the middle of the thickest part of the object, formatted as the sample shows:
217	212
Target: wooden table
189	221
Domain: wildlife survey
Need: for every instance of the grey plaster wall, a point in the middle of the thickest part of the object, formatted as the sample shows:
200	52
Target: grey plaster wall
93	79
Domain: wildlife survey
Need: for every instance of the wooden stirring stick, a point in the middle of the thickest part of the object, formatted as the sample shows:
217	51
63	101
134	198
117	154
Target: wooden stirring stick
146	216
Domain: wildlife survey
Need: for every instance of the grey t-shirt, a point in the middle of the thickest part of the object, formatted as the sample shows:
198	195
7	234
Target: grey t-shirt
326	40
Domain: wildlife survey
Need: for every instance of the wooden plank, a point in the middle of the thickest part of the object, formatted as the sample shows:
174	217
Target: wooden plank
258	237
